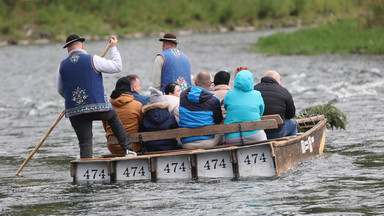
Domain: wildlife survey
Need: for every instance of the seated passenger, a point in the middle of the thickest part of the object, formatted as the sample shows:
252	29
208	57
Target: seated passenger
243	104
221	87
277	100
199	107
156	118
172	98
136	88
129	112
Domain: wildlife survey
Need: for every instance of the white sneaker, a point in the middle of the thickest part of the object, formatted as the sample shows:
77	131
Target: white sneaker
129	153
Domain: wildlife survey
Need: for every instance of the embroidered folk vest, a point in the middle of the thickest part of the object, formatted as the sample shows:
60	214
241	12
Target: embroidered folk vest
176	69
83	86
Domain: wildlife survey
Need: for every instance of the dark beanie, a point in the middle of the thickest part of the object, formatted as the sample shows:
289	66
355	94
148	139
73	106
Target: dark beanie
123	85
222	77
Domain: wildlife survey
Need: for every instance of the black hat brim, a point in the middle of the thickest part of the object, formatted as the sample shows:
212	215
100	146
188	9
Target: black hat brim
172	41
72	41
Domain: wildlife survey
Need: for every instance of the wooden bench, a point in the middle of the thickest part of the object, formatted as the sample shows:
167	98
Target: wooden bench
266	122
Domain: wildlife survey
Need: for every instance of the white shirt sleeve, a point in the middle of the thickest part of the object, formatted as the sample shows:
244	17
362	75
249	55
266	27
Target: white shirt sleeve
157	67
114	65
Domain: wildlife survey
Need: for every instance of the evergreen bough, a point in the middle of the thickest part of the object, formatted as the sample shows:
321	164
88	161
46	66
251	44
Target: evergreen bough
336	118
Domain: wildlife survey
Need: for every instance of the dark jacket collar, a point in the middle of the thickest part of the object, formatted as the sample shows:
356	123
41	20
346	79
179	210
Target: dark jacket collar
269	80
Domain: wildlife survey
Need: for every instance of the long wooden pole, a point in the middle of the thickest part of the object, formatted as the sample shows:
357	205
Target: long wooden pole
51	128
105	50
41	142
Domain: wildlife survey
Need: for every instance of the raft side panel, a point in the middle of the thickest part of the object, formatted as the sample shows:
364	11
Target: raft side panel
132	169
91	170
173	167
256	161
214	164
299	149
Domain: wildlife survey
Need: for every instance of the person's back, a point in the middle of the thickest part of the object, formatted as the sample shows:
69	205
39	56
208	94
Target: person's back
76	75
277	100
173	105
243	104
171	65
129	112
221	87
157	117
199	107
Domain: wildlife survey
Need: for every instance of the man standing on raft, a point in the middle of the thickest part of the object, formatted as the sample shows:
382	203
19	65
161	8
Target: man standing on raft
80	82
171	65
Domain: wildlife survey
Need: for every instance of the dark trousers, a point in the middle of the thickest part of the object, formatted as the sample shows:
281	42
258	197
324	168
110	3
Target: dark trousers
82	124
289	129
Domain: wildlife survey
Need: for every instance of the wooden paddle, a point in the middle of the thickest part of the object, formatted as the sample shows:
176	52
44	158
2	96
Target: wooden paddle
51	128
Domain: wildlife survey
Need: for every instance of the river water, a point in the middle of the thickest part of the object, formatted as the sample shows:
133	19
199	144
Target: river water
346	180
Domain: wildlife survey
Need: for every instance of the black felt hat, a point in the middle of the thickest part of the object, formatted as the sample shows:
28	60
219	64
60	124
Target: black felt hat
73	38
169	37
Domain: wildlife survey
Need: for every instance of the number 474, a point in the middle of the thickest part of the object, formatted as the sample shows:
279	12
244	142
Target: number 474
92	174
254	156
213	164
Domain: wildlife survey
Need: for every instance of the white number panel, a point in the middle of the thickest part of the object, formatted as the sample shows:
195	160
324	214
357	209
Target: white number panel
175	167
136	169
255	161
214	165
92	171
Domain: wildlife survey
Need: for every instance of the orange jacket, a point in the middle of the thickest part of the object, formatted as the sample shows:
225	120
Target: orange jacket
129	112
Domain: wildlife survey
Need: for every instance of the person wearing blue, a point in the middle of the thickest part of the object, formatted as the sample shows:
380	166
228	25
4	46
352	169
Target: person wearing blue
199	107
136	88
171	65
80	83
243	104
156	118
277	100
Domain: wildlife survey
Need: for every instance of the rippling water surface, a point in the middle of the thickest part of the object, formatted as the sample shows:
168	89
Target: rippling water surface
346	180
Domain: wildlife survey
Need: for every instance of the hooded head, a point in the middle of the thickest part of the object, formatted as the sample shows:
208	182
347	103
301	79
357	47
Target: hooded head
244	81
123	85
156	95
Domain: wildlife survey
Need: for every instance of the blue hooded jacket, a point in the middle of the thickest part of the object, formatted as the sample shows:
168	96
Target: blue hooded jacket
243	103
198	107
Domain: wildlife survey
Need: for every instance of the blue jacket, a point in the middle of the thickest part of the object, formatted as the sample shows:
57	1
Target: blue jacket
176	69
243	103
83	86
141	98
198	107
156	118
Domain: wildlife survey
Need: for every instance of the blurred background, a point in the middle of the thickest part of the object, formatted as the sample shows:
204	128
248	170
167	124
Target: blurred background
42	21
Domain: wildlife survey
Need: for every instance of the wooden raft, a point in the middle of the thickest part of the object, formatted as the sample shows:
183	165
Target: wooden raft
221	161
